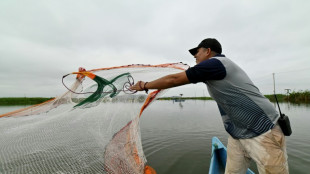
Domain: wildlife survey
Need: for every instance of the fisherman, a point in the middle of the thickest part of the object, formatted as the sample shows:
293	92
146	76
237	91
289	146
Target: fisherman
248	117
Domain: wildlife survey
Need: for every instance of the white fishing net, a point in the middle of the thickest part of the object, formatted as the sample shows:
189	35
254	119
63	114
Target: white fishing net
84	132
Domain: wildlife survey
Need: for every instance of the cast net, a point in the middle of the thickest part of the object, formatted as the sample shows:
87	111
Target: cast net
91	128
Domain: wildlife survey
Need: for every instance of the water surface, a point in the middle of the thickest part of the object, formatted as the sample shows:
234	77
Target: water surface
177	136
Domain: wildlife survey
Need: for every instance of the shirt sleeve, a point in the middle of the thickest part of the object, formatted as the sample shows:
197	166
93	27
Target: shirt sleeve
211	69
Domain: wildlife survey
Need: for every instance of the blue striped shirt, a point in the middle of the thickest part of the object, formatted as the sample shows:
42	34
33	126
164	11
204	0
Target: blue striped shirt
245	112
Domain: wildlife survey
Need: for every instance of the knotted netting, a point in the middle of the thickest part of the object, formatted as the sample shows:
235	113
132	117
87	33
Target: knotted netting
91	128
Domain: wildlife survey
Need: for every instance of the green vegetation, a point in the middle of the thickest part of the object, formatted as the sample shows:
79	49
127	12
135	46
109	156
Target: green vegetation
185	98
22	101
280	97
198	98
299	97
294	97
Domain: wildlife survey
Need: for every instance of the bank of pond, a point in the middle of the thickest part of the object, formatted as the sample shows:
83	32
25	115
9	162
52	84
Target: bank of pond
22	100
294	97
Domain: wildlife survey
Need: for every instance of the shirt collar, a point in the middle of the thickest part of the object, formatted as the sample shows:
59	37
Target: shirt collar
219	55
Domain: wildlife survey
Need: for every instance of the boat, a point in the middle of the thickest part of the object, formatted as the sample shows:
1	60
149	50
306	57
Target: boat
218	158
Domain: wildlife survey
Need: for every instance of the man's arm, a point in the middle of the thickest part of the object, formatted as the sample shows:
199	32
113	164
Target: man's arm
165	82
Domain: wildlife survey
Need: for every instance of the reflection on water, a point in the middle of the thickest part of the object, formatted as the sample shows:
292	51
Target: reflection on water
178	102
176	136
288	105
298	143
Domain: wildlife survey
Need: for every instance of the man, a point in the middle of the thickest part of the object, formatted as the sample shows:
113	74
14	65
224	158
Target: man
248	116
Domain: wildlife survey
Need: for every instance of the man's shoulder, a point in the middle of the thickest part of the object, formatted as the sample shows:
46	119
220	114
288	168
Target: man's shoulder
213	61
220	58
225	61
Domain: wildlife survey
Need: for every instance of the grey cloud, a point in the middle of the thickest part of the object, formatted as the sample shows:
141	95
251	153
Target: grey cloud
43	40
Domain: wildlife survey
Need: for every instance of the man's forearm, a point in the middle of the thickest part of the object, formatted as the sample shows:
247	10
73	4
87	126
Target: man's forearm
165	82
168	81
162	83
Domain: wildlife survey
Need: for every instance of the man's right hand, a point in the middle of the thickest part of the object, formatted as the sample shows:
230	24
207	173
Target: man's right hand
80	77
138	86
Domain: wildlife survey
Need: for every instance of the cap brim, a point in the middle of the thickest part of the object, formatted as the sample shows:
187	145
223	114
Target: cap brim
193	51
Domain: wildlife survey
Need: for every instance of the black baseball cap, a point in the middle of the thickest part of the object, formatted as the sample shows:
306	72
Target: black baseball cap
211	43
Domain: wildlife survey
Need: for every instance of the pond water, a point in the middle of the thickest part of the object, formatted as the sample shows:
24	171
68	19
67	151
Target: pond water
176	136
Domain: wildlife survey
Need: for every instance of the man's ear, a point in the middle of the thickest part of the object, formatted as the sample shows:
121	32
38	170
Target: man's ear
208	51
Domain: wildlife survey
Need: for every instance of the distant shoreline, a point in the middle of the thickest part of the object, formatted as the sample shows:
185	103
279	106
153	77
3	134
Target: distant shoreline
15	101
295	97
185	98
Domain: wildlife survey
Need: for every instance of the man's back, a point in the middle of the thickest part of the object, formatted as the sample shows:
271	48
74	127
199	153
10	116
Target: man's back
245	111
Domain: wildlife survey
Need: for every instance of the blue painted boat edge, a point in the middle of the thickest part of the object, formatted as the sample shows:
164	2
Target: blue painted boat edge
220	145
217	145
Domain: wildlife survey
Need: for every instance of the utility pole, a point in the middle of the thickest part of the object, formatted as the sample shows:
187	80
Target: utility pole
288	94
274	84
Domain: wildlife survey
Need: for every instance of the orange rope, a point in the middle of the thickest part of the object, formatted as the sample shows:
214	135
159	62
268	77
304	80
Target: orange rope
85	73
172	65
148	100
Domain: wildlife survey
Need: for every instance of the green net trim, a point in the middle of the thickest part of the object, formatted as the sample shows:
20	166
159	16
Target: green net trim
106	87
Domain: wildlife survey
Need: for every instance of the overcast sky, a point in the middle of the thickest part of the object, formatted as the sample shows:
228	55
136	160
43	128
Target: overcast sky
40	41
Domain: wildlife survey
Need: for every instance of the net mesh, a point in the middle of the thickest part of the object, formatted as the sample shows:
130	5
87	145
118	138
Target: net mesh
92	128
